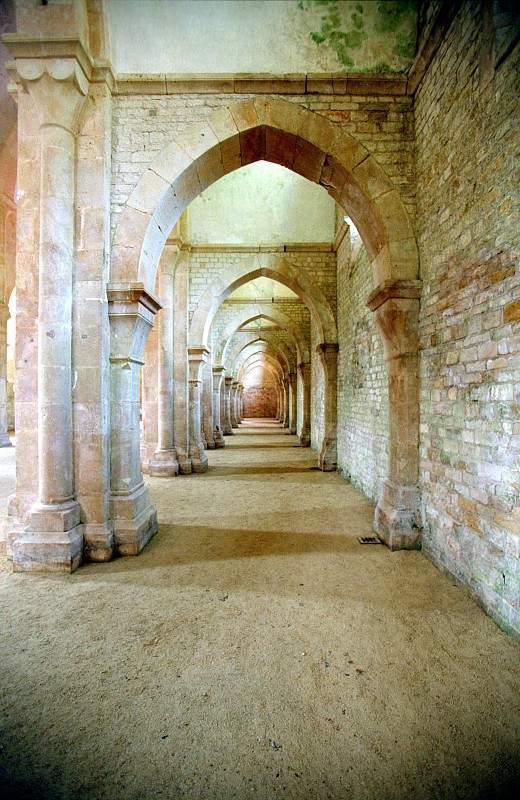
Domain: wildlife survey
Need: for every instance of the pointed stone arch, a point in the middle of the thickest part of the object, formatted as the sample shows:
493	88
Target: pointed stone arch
264	265
272	130
258	341
272	315
285	133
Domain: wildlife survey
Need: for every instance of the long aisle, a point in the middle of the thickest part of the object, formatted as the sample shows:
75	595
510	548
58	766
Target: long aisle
255	649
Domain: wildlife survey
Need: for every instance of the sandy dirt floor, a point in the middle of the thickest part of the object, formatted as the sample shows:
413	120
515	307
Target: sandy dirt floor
255	650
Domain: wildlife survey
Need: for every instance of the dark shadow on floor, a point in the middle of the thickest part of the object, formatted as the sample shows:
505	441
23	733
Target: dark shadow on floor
254	470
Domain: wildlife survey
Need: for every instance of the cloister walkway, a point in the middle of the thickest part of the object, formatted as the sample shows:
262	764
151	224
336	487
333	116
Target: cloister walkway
255	649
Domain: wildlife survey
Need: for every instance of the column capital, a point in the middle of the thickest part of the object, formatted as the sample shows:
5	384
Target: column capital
228	380
327	347
198	353
218	370
58	87
131	309
394	290
398	322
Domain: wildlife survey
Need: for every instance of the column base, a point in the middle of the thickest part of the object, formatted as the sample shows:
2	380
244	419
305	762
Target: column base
397	519
163	464
227	431
210	443
51	542
5	440
327	458
292	430
135	521
219	439
234	424
305	439
185	466
98	542
199	460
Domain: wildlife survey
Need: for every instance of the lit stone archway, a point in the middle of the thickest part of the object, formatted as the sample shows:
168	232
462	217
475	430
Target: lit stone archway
264	265
275	316
262	353
304	375
301	140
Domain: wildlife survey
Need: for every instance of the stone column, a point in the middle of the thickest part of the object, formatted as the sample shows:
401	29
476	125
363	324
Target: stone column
208	424
278	402
180	363
327	458
240	412
53	540
164	462
4	316
397	517
293	402
131	311
197	358
218	379
149	399
285	401
233	404
238	395
305	372
227	427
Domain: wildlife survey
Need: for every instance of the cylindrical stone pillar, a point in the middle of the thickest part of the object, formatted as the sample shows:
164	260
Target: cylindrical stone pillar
218	379
233	404
53	539
305	372
293	402
207	406
4	436
327	458
164	462
197	357
227	427
285	402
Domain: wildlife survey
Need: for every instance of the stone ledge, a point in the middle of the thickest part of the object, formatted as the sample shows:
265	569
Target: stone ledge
286	247
133	293
393	290
261	83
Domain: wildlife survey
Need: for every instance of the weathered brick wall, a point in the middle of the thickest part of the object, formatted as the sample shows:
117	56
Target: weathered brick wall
144	124
260	401
468	145
362	377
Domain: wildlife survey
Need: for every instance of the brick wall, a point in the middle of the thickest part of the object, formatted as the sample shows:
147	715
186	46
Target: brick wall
260	401
468	141
362	377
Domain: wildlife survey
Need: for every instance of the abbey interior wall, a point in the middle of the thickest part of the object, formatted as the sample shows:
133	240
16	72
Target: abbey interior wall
362	377
144	124
468	222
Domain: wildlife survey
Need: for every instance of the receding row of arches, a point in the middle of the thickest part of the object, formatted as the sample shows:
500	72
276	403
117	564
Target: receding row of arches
150	321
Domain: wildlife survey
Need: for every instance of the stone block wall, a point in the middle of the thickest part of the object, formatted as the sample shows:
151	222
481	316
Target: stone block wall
468	174
206	267
295	311
362	376
144	124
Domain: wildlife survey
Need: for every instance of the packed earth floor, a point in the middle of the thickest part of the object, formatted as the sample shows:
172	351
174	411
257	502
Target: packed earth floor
255	649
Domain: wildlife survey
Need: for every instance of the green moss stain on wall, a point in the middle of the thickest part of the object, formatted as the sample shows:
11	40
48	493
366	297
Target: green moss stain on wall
365	36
